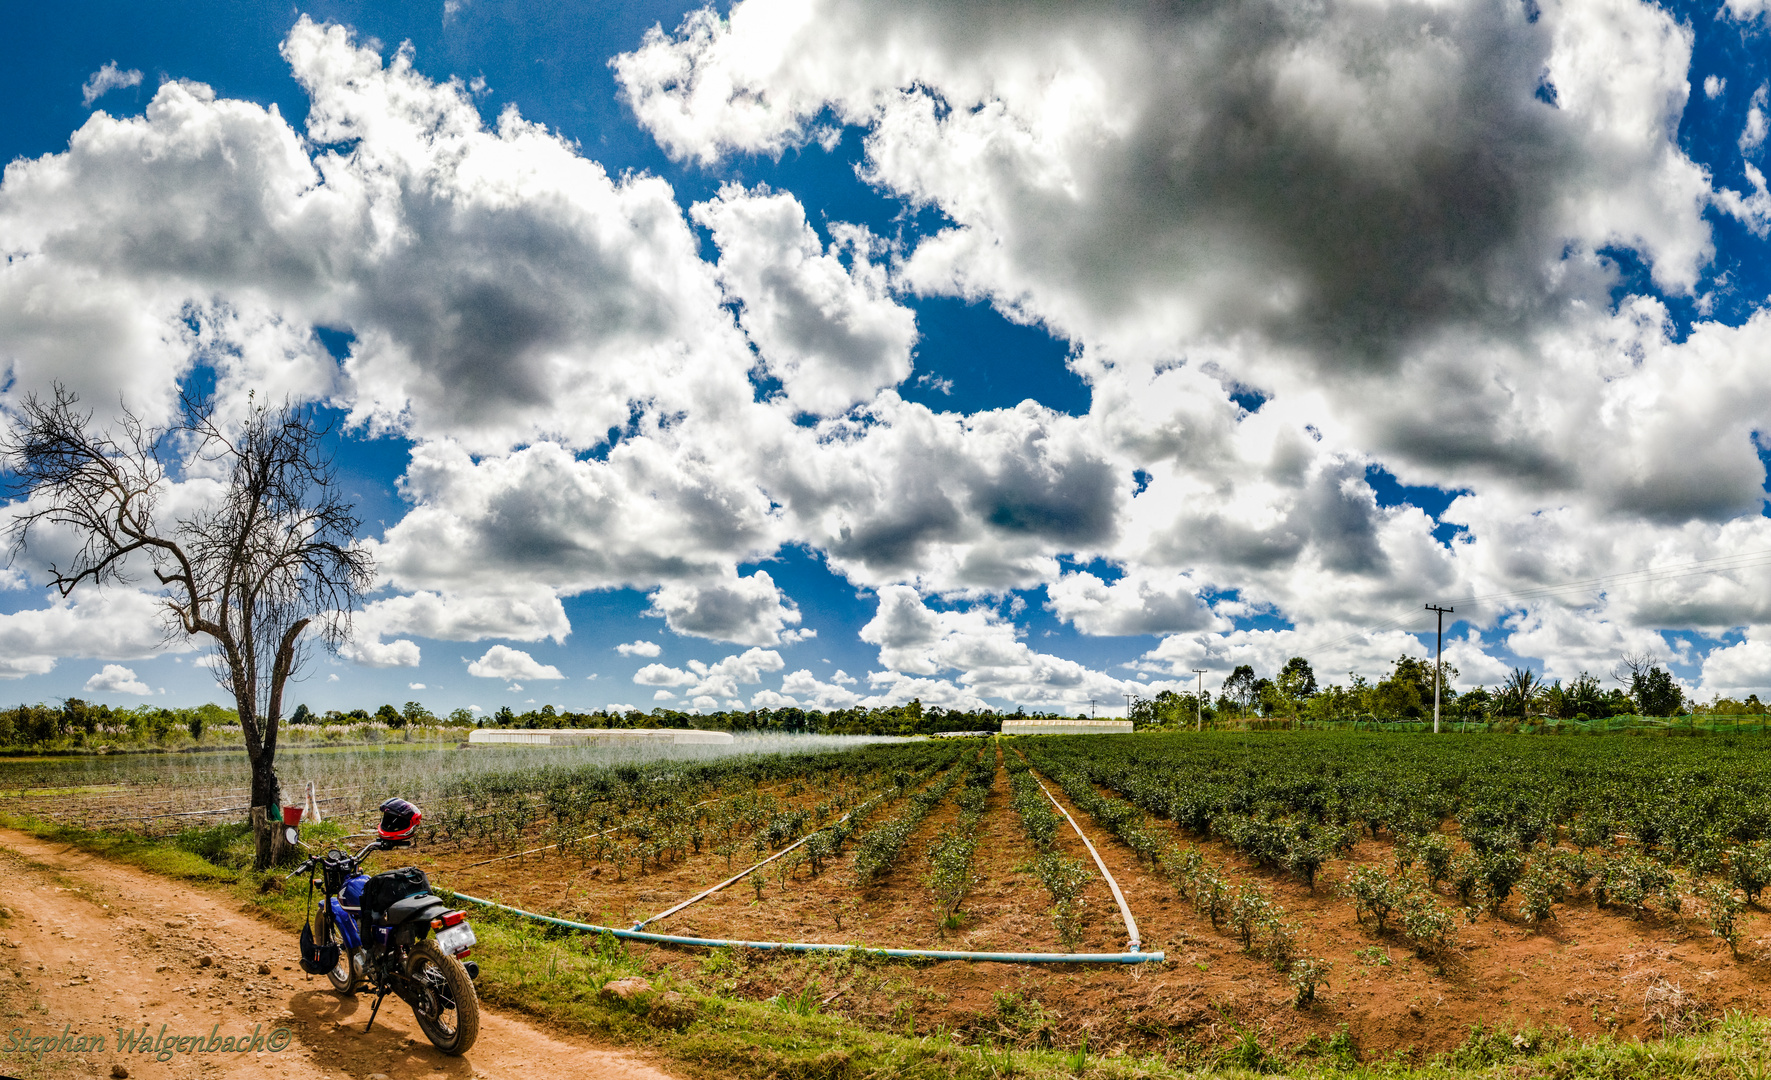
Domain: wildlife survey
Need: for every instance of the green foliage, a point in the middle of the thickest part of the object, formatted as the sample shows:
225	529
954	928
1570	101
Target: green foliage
1500	869
1250	913
1655	693
1749	868
1064	878
1374	893
950	853
1429	927
1721	911
1434	852
878	849
1296	680
1632	881
1037	819
1539	890
218	844
1308	974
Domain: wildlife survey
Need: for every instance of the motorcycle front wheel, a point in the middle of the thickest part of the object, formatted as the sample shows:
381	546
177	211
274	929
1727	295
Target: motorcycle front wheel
343	975
447	1008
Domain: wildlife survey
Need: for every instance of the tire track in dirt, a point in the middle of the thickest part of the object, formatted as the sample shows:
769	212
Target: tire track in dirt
96	946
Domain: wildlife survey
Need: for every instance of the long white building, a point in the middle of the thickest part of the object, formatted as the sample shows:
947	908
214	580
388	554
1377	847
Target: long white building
584	736
1066	727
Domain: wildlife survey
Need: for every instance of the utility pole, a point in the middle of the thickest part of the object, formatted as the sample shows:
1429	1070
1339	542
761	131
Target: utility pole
1198	690
1128	699
1438	659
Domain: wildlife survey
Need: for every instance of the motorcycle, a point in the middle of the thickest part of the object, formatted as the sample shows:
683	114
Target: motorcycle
388	934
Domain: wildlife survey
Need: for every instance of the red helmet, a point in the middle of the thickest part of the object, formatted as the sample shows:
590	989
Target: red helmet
399	819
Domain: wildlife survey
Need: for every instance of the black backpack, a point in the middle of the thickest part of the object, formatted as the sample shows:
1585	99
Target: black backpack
383	890
314	959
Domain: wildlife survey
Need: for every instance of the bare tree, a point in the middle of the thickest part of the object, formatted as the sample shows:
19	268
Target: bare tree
1634	667
273	555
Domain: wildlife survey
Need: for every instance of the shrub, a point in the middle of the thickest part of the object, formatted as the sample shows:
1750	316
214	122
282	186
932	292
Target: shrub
1374	895
1211	895
1180	865
1466	877
950	869
1430	928
1631	881
1434	851
1538	892
1064	878
1282	941
1572	867
1307	975
1591	830
1305	858
1250	911
1037	819
1721	911
1500	869
1749	868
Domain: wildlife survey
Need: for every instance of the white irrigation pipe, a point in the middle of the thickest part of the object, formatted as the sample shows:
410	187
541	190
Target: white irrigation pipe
815	947
742	874
1131	925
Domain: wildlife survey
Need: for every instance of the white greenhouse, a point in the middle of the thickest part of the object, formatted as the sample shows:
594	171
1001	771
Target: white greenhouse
1060	726
589	736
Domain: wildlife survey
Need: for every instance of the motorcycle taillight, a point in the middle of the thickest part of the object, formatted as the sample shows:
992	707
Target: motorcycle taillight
447	919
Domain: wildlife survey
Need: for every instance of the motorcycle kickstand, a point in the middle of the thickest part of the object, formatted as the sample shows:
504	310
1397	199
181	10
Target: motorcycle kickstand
372	1013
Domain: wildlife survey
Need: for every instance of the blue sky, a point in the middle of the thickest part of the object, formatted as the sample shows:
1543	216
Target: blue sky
1015	357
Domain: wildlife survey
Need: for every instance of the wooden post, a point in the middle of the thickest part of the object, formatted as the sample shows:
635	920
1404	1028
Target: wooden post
269	837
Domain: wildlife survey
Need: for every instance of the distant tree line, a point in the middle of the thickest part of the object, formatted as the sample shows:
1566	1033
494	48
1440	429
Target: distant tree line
1643	688
77	724
910	718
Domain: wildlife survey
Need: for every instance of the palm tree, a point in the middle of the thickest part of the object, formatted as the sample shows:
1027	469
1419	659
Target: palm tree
1519	690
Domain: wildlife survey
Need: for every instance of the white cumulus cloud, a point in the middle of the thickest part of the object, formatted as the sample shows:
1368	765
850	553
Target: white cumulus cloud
504	662
116	679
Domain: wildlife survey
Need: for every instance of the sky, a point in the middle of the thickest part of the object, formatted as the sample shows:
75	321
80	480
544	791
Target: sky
827	353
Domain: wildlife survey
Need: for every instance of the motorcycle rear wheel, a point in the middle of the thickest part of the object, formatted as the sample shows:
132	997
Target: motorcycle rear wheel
343	975
448	1012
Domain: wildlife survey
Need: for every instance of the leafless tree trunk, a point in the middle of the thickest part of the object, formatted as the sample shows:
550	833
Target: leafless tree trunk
272	556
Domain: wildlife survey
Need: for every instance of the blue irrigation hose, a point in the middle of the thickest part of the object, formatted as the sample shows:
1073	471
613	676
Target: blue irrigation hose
809	947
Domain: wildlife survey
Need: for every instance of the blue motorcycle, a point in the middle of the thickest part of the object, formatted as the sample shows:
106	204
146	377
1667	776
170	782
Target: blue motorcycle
388	934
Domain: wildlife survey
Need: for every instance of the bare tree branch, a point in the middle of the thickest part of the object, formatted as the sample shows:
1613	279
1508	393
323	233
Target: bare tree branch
272	557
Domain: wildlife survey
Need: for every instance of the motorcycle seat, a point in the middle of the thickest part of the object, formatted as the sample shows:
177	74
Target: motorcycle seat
424	906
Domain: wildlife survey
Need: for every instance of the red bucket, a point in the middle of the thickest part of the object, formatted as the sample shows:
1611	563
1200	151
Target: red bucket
292	816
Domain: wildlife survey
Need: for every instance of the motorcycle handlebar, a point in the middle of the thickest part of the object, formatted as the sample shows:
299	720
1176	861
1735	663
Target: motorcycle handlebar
374	845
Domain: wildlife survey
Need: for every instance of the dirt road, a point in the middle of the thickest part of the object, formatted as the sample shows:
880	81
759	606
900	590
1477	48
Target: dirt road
92	947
